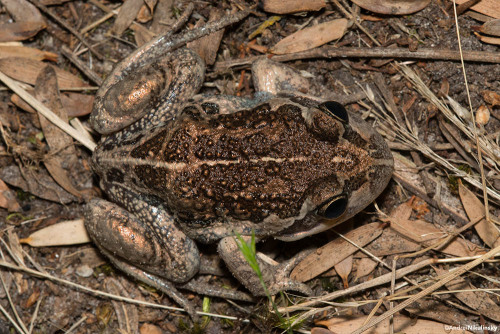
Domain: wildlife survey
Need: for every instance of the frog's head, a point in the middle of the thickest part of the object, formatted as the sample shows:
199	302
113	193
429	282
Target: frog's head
284	167
363	164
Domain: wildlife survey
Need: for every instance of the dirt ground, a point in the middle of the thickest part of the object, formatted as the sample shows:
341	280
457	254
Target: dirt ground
423	182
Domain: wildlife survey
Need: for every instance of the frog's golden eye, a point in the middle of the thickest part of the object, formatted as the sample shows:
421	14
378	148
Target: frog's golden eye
336	110
334	208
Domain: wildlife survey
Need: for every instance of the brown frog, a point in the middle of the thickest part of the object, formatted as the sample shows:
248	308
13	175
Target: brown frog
179	168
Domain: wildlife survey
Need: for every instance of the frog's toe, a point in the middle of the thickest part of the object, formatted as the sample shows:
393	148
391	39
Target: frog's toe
282	280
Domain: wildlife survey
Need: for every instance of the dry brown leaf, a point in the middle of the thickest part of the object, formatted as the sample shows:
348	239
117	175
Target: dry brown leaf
488	39
491	28
8	199
392	7
26	52
62	150
292	6
77	104
22	10
29	21
208	46
391	243
37	182
335	251
149	329
483	114
146	12
20	31
71	232
320	330
491	97
487	231
427	234
433	309
487	7
128	12
27	70
311	37
476	300
402	324
364	266
343	269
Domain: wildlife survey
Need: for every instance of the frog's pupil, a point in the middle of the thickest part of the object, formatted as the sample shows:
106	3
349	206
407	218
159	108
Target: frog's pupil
336	208
336	110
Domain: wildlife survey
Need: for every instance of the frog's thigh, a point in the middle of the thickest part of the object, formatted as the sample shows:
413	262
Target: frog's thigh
165	251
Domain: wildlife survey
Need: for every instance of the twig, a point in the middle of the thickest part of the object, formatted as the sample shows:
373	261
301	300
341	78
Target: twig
67	26
330	51
32	101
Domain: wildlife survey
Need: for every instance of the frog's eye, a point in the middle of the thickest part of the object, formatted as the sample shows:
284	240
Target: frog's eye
336	110
334	208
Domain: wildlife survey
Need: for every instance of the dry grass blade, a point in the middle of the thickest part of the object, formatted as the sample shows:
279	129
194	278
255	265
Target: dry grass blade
444	280
410	137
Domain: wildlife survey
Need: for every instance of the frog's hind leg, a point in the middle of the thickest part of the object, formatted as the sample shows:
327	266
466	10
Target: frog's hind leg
157	282
141	238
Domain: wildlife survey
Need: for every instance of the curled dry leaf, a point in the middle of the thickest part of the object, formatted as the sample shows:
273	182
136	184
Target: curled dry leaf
292	6
474	208
311	37
70	232
392	7
402	324
334	252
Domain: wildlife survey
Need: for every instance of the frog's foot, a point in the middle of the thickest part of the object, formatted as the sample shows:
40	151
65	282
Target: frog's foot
207	289
156	282
276	276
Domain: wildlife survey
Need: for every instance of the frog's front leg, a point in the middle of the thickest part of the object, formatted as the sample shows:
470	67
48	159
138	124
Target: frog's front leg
141	239
276	277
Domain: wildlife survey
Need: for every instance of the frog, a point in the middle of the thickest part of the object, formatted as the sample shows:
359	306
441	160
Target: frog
181	169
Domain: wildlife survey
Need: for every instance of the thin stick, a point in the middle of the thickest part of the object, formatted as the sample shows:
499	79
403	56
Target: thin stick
330	51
